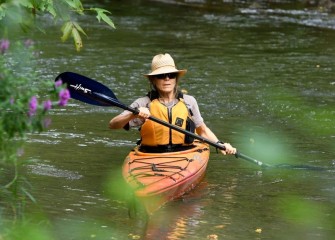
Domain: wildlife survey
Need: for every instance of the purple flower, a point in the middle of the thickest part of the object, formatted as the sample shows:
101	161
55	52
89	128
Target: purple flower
64	96
47	105
32	106
4	45
58	83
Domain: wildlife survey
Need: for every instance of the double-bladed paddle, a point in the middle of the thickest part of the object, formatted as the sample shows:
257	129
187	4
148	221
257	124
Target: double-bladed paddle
92	92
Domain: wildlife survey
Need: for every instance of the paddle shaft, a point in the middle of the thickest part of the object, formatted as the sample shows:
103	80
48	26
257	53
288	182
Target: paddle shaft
92	92
114	102
135	111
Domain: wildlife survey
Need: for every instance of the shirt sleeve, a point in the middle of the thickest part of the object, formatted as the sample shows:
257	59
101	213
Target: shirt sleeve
192	104
140	102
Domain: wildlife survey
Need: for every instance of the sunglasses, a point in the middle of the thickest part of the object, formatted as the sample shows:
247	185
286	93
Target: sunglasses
164	75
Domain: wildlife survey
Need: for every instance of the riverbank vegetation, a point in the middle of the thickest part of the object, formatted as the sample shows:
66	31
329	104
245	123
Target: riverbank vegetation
22	110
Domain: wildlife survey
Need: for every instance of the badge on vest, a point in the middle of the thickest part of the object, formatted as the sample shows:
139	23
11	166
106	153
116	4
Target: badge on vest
179	122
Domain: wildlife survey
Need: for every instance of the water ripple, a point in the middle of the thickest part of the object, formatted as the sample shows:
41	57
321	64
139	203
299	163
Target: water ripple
51	171
302	17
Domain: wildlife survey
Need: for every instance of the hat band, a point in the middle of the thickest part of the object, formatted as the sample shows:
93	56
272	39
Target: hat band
164	66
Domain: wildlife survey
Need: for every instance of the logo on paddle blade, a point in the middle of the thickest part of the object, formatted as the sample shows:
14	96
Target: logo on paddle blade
79	87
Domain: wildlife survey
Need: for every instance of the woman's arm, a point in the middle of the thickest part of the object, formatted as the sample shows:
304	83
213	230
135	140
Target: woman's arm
122	119
205	132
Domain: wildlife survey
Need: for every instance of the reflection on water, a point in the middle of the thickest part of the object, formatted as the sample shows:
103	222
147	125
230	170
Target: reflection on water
264	81
179	219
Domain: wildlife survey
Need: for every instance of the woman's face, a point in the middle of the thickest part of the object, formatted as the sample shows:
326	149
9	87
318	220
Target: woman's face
165	83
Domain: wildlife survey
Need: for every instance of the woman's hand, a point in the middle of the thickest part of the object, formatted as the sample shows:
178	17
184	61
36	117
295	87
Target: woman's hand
143	113
229	149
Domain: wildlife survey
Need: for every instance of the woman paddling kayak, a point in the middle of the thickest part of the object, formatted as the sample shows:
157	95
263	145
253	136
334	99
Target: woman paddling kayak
167	103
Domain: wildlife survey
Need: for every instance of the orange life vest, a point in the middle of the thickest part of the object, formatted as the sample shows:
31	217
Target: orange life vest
154	134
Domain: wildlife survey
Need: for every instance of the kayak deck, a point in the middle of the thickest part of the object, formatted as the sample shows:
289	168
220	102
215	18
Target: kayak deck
157	178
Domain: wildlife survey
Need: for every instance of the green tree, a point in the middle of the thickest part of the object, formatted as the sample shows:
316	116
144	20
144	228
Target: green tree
23	15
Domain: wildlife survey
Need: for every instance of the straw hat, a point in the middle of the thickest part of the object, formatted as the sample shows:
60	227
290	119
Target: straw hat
163	63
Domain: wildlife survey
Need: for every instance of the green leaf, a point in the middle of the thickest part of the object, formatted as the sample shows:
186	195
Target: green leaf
3	8
2	13
50	8
77	39
66	29
101	14
26	3
76	4
76	25
31	197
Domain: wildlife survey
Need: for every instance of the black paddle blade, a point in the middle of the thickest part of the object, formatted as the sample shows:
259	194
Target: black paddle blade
85	89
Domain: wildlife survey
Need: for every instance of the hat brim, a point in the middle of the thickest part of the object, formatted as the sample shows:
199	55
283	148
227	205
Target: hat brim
167	69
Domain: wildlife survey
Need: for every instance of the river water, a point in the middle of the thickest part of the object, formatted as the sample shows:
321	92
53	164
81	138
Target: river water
265	82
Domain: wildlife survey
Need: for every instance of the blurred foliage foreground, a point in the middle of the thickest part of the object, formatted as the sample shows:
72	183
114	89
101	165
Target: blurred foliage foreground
21	109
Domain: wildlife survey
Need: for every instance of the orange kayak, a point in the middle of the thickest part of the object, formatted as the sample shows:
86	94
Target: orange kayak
157	178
